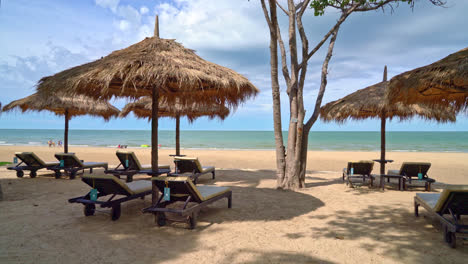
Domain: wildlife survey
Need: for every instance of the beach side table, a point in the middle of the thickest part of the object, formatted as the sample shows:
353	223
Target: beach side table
401	180
175	155
382	183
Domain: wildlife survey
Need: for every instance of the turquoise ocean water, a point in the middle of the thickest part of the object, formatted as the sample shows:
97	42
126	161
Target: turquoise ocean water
336	140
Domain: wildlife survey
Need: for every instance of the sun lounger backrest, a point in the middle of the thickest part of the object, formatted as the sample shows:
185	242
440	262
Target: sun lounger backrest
454	197
107	184
411	169
180	186
69	160
133	162
362	167
30	159
188	164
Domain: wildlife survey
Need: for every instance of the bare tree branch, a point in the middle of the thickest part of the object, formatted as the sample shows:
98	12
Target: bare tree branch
282	8
284	62
267	17
323	84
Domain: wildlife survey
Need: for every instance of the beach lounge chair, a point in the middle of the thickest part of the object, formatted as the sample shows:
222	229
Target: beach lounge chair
448	207
30	162
183	189
358	169
130	165
410	171
110	185
71	164
192	166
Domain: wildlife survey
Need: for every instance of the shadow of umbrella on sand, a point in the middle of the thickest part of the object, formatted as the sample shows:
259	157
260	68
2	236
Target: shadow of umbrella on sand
444	82
142	109
67	106
370	103
155	67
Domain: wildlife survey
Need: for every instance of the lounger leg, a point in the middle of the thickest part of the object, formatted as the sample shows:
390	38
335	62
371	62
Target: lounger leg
90	170
193	220
161	218
416	209
230	201
213	175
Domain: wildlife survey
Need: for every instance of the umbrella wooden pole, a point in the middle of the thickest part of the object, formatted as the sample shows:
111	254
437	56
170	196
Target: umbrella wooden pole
383	117
177	135
65	136
154	140
154	132
382	147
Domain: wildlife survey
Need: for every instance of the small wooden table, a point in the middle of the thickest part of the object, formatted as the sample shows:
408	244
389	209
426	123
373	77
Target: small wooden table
401	180
175	155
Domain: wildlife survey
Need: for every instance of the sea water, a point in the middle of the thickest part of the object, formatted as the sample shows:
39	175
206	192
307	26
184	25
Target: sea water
261	140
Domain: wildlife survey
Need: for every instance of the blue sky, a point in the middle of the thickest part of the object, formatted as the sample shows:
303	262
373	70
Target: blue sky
39	38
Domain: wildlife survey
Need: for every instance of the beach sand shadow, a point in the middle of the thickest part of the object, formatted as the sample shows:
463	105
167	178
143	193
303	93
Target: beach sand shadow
396	232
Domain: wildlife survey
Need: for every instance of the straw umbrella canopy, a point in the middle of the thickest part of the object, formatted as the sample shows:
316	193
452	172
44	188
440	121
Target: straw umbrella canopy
370	103
444	82
158	68
64	106
142	109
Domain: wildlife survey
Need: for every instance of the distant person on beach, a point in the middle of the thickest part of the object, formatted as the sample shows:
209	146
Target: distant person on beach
51	143
59	143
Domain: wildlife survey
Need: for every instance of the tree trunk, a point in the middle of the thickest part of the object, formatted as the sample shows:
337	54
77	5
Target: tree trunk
65	136
275	91
154	141
177	135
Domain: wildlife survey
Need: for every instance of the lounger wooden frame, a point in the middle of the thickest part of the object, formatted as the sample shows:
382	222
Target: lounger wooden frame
361	169
72	165
410	170
182	190
106	189
31	163
449	215
134	166
193	166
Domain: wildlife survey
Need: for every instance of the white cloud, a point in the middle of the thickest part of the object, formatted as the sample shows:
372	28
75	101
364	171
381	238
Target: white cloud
124	25
144	10
111	4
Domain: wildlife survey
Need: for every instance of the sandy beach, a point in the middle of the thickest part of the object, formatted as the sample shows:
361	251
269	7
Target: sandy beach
326	222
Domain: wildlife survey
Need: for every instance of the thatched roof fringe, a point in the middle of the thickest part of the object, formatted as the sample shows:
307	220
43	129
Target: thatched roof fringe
131	72
77	105
142	109
370	102
444	82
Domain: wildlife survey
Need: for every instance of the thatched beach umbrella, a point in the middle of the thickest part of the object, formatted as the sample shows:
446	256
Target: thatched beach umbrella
370	103
64	106
157	68
142	109
444	82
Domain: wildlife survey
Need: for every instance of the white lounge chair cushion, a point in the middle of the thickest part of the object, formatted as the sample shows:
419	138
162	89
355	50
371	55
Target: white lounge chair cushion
139	186
436	201
148	167
429	198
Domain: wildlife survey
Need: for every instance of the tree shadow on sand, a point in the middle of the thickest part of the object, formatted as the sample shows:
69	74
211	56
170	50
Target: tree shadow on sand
395	231
40	217
254	256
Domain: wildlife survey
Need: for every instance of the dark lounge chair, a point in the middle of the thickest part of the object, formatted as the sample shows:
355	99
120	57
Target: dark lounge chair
192	166
109	185
448	207
130	165
71	165
183	189
358	169
30	162
410	171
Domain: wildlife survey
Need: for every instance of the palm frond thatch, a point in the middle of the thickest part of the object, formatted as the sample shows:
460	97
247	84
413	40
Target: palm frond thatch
443	82
142	109
132	72
76	105
370	102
